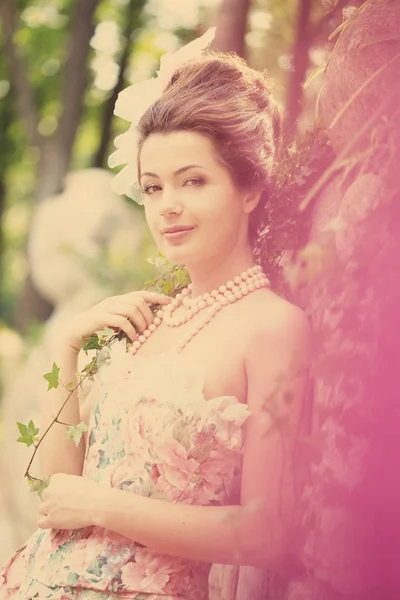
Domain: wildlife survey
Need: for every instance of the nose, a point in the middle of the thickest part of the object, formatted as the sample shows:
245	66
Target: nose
170	204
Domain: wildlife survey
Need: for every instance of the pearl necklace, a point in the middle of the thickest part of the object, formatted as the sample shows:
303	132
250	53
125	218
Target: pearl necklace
208	304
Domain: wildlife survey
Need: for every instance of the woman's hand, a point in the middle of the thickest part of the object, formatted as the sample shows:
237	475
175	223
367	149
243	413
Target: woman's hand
129	313
69	502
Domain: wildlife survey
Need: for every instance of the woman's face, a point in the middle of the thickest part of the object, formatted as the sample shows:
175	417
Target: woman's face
193	209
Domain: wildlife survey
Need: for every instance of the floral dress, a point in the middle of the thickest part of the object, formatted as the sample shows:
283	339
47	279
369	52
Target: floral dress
151	433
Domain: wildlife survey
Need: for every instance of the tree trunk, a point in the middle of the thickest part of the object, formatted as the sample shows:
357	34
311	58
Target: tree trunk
57	150
75	80
231	26
18	75
300	65
132	20
2	209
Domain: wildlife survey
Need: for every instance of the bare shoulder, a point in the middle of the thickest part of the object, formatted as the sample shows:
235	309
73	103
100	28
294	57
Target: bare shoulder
277	357
271	314
278	330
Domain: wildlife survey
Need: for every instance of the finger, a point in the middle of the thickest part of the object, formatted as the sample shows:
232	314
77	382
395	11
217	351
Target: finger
145	310
138	313
127	311
121	323
138	318
151	297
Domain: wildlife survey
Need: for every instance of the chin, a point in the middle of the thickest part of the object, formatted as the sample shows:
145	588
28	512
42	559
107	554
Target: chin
176	256
181	255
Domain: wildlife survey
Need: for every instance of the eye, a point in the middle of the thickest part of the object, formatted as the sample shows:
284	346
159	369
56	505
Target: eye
194	181
150	189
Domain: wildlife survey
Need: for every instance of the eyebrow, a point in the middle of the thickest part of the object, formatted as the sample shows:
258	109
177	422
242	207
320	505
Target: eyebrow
175	173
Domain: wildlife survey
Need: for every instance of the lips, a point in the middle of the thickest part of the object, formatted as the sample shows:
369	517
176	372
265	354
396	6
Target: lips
176	229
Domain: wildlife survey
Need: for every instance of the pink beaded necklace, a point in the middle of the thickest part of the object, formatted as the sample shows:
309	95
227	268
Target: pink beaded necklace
207	305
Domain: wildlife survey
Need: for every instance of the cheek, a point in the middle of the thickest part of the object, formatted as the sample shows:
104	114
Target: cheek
222	209
215	203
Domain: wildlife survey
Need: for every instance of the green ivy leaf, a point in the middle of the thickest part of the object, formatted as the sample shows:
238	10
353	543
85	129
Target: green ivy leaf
167	287
75	432
53	377
91	343
28	433
99	339
39	485
182	277
91	368
105	334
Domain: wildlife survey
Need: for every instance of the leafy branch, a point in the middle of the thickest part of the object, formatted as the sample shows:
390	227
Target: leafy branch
30	433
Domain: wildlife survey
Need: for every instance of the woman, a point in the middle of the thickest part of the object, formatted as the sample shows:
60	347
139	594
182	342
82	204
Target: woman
166	483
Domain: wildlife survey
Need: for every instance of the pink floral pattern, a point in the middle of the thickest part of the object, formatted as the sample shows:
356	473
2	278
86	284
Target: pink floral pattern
152	433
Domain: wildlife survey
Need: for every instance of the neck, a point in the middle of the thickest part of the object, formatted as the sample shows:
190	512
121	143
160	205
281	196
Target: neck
206	277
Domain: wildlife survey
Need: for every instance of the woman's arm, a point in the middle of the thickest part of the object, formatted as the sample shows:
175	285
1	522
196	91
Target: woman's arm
203	533
277	364
57	454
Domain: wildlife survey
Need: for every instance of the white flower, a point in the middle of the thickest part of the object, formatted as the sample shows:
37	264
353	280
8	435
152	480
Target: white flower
126	145
133	102
126	181
170	62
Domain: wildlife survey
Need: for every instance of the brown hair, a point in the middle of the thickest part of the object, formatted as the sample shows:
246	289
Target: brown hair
220	96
